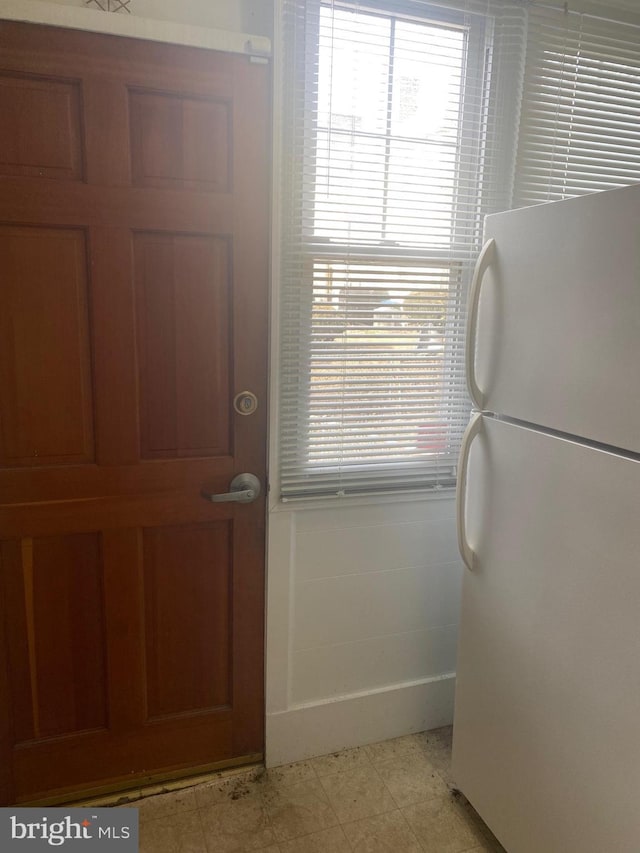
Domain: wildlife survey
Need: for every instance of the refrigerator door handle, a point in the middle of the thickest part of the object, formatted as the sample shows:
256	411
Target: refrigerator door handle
466	551
485	259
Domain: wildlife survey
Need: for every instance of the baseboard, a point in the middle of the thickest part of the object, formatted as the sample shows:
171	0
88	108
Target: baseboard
305	731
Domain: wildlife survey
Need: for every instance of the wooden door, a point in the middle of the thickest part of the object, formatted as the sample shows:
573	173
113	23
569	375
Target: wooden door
133	308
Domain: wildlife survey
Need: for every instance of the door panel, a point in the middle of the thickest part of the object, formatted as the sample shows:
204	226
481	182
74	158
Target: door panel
57	639
130	286
40	133
44	347
546	733
550	325
187	617
183	318
180	142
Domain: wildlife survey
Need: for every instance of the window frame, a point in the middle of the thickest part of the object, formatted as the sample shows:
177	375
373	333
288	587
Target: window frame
478	67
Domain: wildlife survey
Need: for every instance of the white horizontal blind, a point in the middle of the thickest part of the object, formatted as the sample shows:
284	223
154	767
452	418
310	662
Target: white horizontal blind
580	126
393	152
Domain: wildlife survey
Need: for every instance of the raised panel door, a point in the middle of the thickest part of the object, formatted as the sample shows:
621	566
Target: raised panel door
133	272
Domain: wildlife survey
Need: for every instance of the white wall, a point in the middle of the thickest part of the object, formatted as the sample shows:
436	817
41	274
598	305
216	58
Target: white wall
362	623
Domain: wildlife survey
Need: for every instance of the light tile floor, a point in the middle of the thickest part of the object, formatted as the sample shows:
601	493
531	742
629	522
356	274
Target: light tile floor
389	797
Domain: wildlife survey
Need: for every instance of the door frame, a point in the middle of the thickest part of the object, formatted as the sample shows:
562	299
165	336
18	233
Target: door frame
130	26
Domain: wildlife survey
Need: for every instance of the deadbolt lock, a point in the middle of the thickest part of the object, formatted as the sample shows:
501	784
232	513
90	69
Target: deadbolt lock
245	403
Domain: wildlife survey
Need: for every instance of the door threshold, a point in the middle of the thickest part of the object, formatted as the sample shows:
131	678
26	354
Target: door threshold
125	792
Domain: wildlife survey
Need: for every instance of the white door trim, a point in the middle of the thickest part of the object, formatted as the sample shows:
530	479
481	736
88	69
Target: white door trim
131	26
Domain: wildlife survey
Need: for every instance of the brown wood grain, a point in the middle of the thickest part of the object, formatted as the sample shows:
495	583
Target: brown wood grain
132	609
187	572
45	358
40	132
7	723
183	355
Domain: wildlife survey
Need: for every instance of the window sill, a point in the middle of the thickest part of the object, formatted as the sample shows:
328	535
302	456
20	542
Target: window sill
372	499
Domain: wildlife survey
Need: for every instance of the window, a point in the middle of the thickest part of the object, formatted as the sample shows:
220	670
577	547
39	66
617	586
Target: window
388	126
405	122
580	128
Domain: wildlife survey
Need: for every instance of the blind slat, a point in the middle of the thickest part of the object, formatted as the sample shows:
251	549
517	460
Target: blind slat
392	131
580	124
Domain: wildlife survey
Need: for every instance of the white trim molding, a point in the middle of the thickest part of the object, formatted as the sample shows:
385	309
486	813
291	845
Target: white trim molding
131	26
305	731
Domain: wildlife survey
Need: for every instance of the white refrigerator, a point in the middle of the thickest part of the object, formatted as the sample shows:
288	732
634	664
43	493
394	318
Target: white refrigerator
547	717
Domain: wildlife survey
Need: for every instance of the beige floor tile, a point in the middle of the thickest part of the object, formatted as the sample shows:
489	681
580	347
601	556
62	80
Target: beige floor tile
440	828
388	749
226	790
471	817
435	742
298	809
440	737
436	745
177	833
130	804
444	771
345	760
288	774
387	833
411	779
358	794
164	805
488	846
328	841
237	825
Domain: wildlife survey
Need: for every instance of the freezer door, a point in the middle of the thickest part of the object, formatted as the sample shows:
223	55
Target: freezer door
558	325
547	717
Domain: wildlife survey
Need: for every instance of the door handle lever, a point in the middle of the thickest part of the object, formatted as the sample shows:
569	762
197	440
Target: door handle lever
244	489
